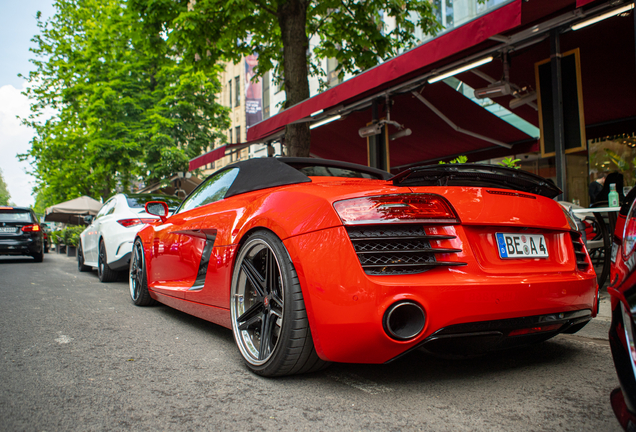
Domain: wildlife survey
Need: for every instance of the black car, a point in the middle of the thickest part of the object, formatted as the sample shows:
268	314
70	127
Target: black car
20	233
623	329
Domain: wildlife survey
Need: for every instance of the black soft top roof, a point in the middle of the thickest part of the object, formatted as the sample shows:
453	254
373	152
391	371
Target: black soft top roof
263	173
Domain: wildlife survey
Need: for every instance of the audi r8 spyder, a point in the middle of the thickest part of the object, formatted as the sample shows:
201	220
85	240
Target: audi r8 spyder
622	332
312	261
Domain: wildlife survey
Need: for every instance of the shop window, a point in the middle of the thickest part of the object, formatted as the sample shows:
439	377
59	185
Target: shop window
237	91
229	95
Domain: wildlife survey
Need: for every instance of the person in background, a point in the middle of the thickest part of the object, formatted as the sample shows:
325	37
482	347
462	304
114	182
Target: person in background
612	178
597	186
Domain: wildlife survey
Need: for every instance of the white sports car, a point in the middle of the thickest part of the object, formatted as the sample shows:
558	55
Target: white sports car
107	242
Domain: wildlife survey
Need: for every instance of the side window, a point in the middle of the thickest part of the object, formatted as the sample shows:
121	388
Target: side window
111	210
214	189
105	208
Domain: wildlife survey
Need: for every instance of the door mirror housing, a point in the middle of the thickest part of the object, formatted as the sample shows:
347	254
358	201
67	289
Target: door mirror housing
89	219
157	208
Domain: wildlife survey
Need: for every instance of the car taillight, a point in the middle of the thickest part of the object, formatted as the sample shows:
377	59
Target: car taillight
136	221
31	228
422	208
629	232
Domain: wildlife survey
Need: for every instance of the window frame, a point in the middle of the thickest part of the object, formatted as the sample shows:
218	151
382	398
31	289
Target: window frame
204	184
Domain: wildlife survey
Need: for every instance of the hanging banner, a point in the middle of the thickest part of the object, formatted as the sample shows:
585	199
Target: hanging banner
253	93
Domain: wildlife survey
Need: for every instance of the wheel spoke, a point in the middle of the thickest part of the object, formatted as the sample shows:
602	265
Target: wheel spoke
250	316
277	302
267	330
255	278
271	273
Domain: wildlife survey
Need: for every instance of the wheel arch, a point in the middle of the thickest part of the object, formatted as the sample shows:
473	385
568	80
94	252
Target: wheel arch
299	272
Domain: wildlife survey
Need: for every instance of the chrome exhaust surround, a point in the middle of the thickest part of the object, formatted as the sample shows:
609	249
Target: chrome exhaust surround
404	320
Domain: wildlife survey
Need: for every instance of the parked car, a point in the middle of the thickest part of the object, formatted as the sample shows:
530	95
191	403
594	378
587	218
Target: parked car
20	233
107	242
311	261
622	332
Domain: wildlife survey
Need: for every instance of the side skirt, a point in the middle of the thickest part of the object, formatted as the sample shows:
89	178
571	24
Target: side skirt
217	315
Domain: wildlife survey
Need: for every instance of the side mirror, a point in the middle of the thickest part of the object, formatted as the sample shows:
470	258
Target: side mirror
157	208
89	219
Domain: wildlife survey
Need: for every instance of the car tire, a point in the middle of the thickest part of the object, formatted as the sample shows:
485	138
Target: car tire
104	273
267	304
39	257
137	278
80	260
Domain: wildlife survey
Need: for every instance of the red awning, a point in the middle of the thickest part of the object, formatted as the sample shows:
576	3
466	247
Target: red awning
215	155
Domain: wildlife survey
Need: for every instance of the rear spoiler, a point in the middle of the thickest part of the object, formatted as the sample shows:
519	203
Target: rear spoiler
476	175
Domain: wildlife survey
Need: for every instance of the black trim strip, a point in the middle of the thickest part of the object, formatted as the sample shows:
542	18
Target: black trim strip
422	237
210	236
407	251
422	264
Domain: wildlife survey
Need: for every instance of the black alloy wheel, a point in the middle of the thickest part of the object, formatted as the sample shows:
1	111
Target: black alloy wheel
104	273
80	259
137	277
269	320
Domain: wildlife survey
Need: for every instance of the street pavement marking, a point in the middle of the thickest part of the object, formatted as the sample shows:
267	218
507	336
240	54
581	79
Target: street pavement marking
359	383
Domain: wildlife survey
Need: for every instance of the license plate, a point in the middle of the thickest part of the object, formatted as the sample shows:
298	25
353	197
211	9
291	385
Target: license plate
521	245
8	229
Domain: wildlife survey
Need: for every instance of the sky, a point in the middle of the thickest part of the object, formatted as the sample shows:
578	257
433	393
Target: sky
17	26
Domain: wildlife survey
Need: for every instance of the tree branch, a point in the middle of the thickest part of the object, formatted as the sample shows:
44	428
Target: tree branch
266	8
322	21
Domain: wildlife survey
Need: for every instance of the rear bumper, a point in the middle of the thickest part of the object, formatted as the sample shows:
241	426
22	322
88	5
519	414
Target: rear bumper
122	263
346	307
20	246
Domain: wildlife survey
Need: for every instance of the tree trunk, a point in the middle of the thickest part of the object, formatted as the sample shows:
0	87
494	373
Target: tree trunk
292	19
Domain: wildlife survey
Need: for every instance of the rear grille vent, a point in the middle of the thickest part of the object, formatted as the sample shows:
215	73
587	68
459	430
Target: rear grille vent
579	252
398	249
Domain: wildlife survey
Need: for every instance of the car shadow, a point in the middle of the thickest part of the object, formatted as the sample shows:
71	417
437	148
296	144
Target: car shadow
16	260
416	366
424	367
217	331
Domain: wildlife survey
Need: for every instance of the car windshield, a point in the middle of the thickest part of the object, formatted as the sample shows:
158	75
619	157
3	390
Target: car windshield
327	171
15	216
139	201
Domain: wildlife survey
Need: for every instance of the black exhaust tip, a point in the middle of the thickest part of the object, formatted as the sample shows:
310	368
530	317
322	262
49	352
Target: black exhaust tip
404	320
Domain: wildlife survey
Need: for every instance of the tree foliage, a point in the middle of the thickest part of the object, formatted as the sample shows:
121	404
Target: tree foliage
128	109
5	196
351	31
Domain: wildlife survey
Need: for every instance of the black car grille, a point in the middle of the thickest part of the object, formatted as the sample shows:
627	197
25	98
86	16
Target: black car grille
579	251
398	249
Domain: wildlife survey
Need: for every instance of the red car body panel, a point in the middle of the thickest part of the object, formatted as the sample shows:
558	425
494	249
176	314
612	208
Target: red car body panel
345	305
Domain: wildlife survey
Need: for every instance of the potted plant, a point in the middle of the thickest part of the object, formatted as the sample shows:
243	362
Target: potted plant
71	238
58	239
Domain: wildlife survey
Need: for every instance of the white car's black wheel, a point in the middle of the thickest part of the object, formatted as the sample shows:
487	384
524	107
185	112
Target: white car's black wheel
269	320
80	260
137	277
104	273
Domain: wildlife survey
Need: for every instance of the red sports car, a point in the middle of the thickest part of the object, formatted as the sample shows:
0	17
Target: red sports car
312	261
622	334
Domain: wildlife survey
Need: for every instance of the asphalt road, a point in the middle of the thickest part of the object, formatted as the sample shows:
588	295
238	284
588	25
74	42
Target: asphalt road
76	354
